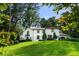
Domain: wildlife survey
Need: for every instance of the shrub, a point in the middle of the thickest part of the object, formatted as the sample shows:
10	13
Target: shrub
28	40
25	40
44	36
50	39
3	42
54	36
13	36
72	39
7	38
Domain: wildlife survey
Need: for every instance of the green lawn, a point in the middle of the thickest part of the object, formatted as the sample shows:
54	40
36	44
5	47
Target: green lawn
42	48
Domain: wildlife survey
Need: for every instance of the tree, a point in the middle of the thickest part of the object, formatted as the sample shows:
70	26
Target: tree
4	18
52	21
44	35
71	18
45	23
3	6
31	14
22	13
54	36
4	21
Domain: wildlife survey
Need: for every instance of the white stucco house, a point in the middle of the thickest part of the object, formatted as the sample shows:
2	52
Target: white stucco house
35	33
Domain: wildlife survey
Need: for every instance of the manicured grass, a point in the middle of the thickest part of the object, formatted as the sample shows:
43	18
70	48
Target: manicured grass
42	48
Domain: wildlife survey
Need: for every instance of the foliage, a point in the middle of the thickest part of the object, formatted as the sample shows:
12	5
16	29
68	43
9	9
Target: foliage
15	18
5	40
73	39
4	18
48	23
71	17
4	21
54	36
26	13
43	22
52	20
19	29
28	40
44	35
3	6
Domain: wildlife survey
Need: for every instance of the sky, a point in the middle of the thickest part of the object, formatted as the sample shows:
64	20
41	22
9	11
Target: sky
47	12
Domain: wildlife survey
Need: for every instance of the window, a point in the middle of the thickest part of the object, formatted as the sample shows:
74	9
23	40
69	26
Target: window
38	37
37	31
27	32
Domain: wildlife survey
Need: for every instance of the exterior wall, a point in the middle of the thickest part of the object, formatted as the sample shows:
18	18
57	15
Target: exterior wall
24	35
38	34
57	31
49	32
33	33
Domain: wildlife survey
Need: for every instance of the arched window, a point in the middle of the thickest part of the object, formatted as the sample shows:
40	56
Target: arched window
27	32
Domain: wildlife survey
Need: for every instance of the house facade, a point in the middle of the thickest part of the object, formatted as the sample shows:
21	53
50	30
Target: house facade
35	33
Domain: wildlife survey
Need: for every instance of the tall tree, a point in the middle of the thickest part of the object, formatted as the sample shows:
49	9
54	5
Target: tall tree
31	14
52	21
43	22
71	18
4	18
22	13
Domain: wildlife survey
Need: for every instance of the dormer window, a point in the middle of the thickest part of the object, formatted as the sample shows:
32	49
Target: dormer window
35	25
27	32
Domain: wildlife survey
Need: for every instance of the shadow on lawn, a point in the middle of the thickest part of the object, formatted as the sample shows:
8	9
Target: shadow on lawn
44	49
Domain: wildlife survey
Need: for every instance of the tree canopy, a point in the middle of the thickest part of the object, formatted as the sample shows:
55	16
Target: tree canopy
71	18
